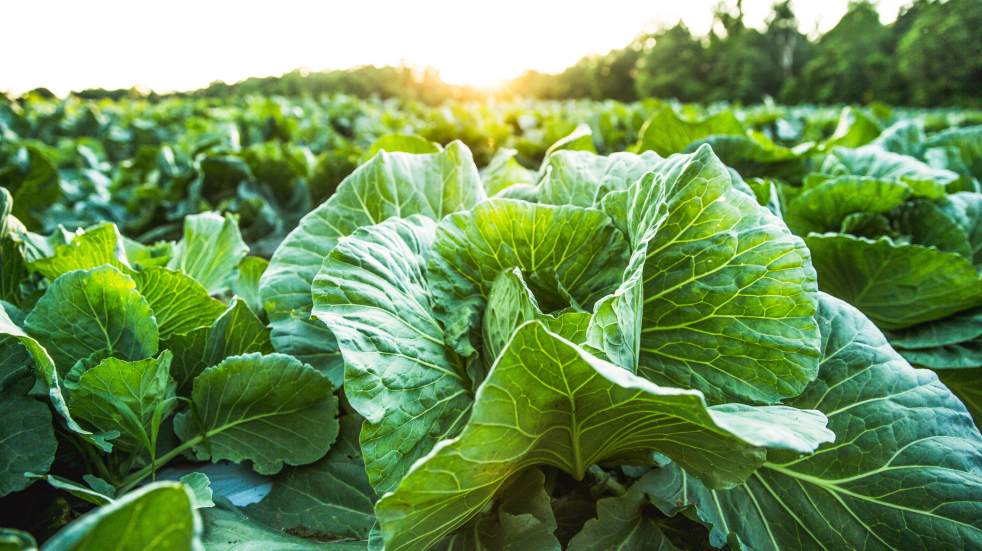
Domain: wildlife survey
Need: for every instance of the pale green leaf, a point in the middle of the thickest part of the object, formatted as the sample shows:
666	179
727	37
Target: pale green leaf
580	139
400	375
89	248
876	163
96	314
391	184
583	178
210	250
727	293
157	516
76	489
200	490
504	171
246	284
905	137
569	256
16	540
547	402
666	132
405	143
511	304
131	397
179	303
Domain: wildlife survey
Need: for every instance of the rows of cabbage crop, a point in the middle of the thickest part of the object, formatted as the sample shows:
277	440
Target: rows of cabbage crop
299	324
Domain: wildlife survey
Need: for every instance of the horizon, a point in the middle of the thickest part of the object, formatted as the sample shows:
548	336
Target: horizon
257	44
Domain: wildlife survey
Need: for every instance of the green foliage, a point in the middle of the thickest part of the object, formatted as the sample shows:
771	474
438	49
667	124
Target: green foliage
529	338
124	524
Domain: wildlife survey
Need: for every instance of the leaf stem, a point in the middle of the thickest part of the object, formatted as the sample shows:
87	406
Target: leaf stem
605	480
134	479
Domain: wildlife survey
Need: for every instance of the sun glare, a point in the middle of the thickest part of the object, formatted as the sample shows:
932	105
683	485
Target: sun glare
117	44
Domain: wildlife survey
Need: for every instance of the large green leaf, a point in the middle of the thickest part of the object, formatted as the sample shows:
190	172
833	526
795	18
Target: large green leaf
719	296
246	284
966	141
756	155
27	437
876	163
157	516
268	409
666	132
91	248
391	184
905	471
548	402
47	375
229	529
210	250
855	128
905	137
236	331
131	397
896	285
412	390
958	328
570	256
93	314
966	209
179	303
583	178
332	496
926	223
824	207
950	343
963	355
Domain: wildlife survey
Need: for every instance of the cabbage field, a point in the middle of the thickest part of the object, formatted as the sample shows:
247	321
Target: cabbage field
261	323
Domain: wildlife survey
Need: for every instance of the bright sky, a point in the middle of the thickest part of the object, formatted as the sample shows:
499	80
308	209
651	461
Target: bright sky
185	44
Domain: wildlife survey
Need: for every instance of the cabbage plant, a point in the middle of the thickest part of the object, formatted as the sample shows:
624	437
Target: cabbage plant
635	329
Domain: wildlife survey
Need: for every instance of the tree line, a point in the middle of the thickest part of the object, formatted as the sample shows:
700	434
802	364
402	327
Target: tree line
931	55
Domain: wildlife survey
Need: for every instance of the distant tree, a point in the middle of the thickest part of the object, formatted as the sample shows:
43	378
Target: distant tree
852	62
940	54
737	62
615	73
930	55
672	65
788	48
